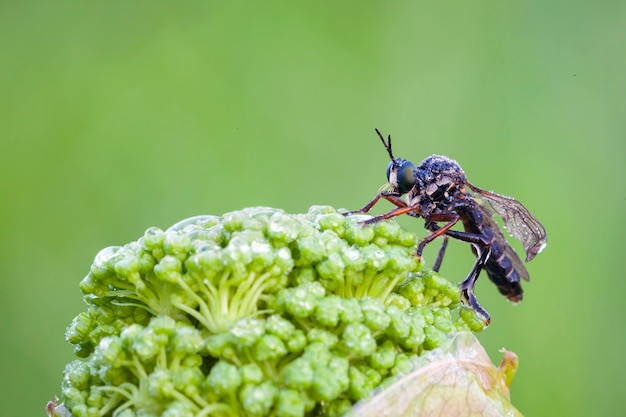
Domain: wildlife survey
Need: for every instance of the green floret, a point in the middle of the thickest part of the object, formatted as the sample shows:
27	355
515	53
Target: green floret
354	267
188	380
327	338
308	251
298	374
434	337
76	375
385	356
220	346
358	235
329	382
214	273
224	379
268	347
327	219
318	354
363	380
301	301
398	301
429	289
399	325
143	366
257	400
357	339
251	373
254	313
337	408
471	320
374	315
179	409
350	311
290	404
101	320
246	332
297	342
279	326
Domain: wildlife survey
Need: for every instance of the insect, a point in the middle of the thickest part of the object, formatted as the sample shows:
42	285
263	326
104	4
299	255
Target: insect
438	191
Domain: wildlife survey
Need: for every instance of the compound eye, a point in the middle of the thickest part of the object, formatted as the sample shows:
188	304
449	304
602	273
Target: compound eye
406	177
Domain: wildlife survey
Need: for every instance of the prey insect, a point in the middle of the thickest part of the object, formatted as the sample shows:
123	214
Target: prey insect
438	191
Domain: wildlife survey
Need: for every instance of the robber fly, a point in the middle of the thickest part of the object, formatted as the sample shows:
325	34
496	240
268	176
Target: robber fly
438	191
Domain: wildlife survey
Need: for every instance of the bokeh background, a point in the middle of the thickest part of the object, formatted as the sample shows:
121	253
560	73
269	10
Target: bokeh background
117	116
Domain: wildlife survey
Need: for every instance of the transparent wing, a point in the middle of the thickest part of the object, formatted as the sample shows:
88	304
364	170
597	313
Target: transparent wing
518	221
509	252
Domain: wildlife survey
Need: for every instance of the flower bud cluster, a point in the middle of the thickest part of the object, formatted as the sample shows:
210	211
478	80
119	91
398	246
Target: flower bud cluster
254	313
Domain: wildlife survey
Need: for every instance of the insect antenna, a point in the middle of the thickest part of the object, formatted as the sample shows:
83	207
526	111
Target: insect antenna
386	144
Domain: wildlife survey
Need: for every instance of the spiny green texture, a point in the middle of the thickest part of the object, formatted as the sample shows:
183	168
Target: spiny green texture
253	313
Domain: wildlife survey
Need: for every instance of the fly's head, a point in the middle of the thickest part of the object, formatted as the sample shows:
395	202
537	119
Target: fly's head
401	173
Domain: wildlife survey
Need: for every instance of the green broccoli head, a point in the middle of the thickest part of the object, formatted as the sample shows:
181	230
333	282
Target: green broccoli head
254	313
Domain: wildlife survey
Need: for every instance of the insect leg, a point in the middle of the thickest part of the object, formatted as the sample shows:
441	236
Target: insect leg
464	236
451	218
442	251
469	237
467	286
393	199
393	213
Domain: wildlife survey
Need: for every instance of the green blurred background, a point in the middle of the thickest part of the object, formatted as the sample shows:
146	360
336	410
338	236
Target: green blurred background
117	116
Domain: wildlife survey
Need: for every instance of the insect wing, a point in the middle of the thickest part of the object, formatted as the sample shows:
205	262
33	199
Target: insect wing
501	241
518	221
